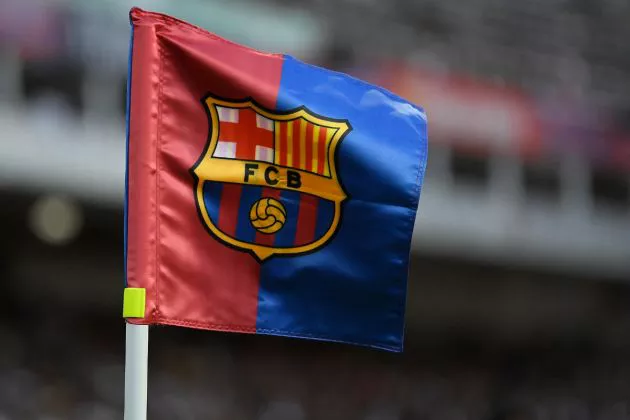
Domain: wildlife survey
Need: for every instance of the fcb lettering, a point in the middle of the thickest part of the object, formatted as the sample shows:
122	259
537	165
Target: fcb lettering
292	179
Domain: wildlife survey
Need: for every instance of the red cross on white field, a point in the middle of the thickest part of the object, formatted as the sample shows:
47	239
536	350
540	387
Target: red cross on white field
244	134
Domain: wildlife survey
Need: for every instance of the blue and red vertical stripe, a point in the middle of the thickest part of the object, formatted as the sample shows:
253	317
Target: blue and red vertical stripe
228	206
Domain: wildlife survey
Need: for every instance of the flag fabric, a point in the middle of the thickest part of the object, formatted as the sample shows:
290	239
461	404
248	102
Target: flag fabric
265	195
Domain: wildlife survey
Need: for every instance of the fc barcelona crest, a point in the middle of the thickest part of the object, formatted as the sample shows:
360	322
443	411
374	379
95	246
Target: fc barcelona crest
267	182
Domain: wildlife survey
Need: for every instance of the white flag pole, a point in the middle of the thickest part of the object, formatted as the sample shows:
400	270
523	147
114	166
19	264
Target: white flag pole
136	371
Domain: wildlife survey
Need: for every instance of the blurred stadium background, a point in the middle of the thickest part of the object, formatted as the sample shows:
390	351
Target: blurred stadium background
519	304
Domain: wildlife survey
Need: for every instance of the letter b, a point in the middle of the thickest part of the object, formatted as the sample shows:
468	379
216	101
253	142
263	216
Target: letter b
293	179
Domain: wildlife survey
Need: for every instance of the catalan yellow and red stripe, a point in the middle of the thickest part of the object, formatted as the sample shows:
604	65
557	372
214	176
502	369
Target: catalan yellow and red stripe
303	145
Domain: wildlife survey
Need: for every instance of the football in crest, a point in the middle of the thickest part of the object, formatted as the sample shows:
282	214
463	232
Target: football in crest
267	215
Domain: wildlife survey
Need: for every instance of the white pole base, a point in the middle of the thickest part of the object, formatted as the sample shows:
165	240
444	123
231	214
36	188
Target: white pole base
136	370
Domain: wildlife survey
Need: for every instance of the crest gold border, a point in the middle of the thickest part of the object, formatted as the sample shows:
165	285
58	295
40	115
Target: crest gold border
261	252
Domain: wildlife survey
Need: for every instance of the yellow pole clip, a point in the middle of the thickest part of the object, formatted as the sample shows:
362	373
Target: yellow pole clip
134	300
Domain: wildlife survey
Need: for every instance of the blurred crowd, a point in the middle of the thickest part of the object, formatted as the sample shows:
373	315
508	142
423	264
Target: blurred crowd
74	372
